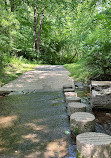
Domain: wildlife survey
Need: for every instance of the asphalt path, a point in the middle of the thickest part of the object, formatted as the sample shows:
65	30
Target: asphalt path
33	120
43	78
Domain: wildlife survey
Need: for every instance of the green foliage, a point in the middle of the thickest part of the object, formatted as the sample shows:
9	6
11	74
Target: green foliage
76	131
98	47
92	32
79	71
13	68
72	30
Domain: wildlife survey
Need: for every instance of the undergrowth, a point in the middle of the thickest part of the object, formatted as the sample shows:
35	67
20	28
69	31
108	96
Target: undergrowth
14	67
79	71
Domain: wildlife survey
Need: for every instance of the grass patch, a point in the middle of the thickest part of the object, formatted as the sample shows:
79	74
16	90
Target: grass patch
14	68
78	71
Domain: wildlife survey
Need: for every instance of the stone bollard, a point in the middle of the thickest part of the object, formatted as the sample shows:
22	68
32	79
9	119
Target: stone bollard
81	122
67	86
72	99
69	94
93	145
75	107
68	90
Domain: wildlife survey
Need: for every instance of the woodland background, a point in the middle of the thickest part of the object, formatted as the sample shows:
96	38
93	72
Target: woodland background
76	33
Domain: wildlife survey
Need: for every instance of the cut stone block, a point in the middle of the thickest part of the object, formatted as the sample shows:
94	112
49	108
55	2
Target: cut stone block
81	122
93	145
101	94
75	107
100	85
68	90
72	99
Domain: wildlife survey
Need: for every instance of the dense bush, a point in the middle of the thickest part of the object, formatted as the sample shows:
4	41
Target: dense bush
98	46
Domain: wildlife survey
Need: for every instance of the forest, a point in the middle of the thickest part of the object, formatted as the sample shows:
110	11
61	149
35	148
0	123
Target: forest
74	33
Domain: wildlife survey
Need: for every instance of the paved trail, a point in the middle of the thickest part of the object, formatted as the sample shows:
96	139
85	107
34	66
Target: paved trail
34	124
43	78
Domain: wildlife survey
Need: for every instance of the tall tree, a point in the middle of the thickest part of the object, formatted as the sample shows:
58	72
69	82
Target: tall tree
5	1
12	5
40	31
35	29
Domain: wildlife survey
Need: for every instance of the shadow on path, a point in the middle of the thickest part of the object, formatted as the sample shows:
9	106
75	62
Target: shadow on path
34	126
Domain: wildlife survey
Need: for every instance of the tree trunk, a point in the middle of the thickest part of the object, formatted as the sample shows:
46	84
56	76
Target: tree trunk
35	30
12	5
71	60
5	1
39	32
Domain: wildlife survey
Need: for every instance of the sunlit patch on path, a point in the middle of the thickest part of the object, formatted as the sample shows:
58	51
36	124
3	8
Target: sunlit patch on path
7	121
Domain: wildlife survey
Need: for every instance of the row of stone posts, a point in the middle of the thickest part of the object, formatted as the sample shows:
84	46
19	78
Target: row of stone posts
82	123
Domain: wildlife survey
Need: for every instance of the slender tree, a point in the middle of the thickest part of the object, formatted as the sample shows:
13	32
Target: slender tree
35	30
12	5
40	31
5	1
